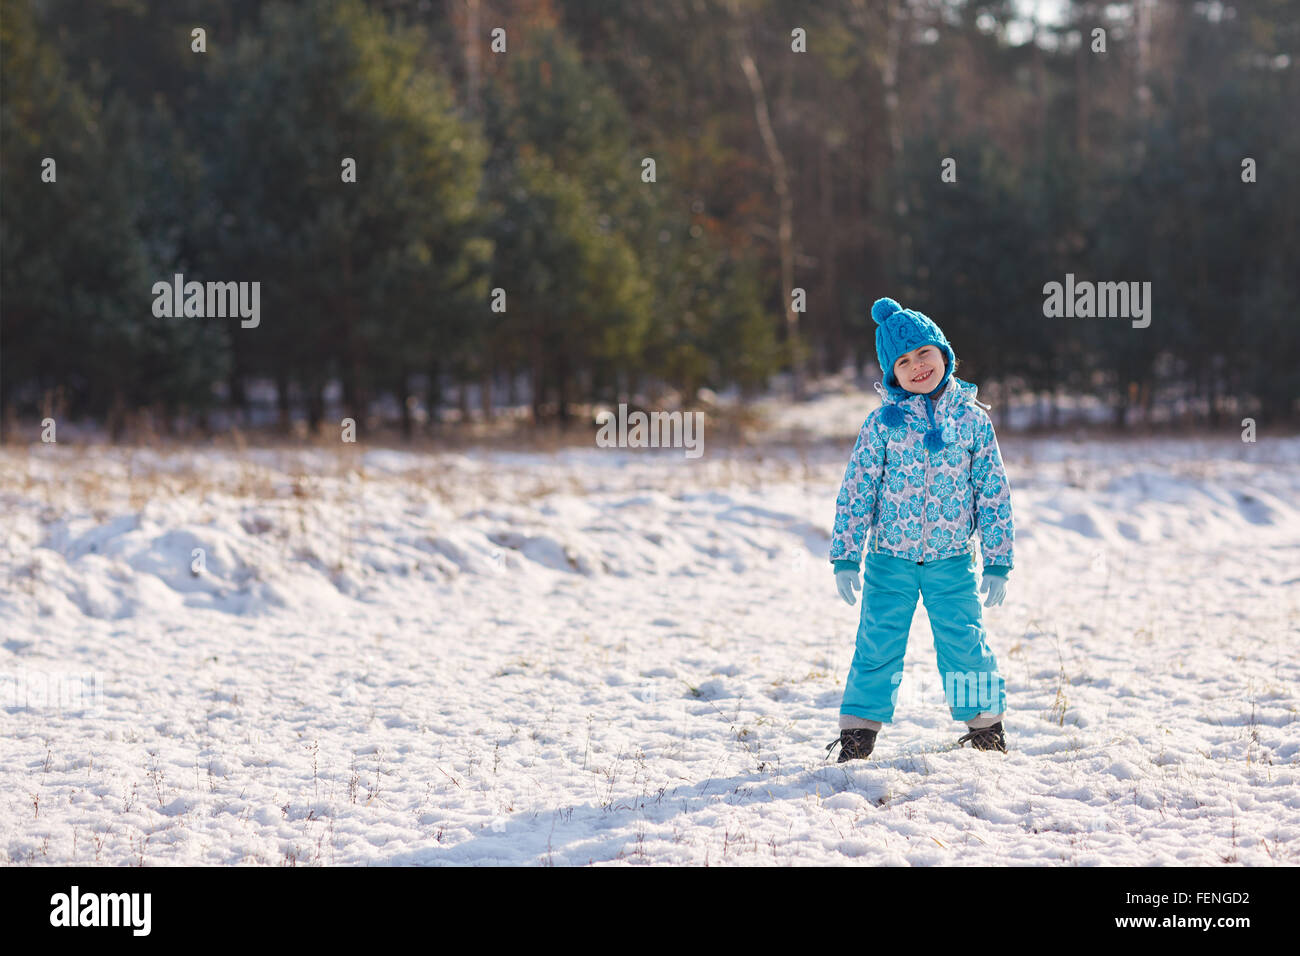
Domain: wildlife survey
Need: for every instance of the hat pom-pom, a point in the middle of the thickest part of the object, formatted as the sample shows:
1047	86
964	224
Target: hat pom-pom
891	416
883	309
934	440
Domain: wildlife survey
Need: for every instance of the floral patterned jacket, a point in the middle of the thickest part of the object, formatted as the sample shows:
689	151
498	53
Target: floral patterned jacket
925	505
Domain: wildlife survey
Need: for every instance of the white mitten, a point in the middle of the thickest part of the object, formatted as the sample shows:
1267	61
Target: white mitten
995	585
847	582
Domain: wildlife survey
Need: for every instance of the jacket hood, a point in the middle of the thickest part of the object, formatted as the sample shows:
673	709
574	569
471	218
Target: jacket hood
894	412
958	391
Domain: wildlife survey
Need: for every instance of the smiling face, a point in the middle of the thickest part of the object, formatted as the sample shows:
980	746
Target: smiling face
919	370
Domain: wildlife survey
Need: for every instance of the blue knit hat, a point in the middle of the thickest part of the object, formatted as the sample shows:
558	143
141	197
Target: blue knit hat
898	331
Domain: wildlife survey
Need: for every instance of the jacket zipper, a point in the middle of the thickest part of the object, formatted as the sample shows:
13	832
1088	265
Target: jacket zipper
925	497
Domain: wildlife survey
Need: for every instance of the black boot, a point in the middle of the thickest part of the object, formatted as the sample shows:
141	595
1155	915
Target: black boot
986	738
855	744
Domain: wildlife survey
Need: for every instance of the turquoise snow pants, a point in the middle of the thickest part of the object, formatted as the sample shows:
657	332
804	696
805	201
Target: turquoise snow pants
967	667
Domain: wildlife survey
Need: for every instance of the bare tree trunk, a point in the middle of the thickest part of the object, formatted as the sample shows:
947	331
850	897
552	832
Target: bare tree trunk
485	385
1142	92
562	380
889	77
433	396
472	41
1142	13
472	55
1216	399
1081	99
282	397
8	413
897	19
350	367
315	406
403	392
830	255
238	395
117	417
538	382
785	204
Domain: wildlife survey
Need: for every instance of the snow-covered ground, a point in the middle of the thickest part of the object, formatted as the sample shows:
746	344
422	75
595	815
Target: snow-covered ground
628	656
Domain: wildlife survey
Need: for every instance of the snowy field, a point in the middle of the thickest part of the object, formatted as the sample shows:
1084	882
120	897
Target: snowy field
624	656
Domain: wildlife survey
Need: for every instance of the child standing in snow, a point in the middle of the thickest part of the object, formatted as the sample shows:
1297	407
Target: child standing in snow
924	476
